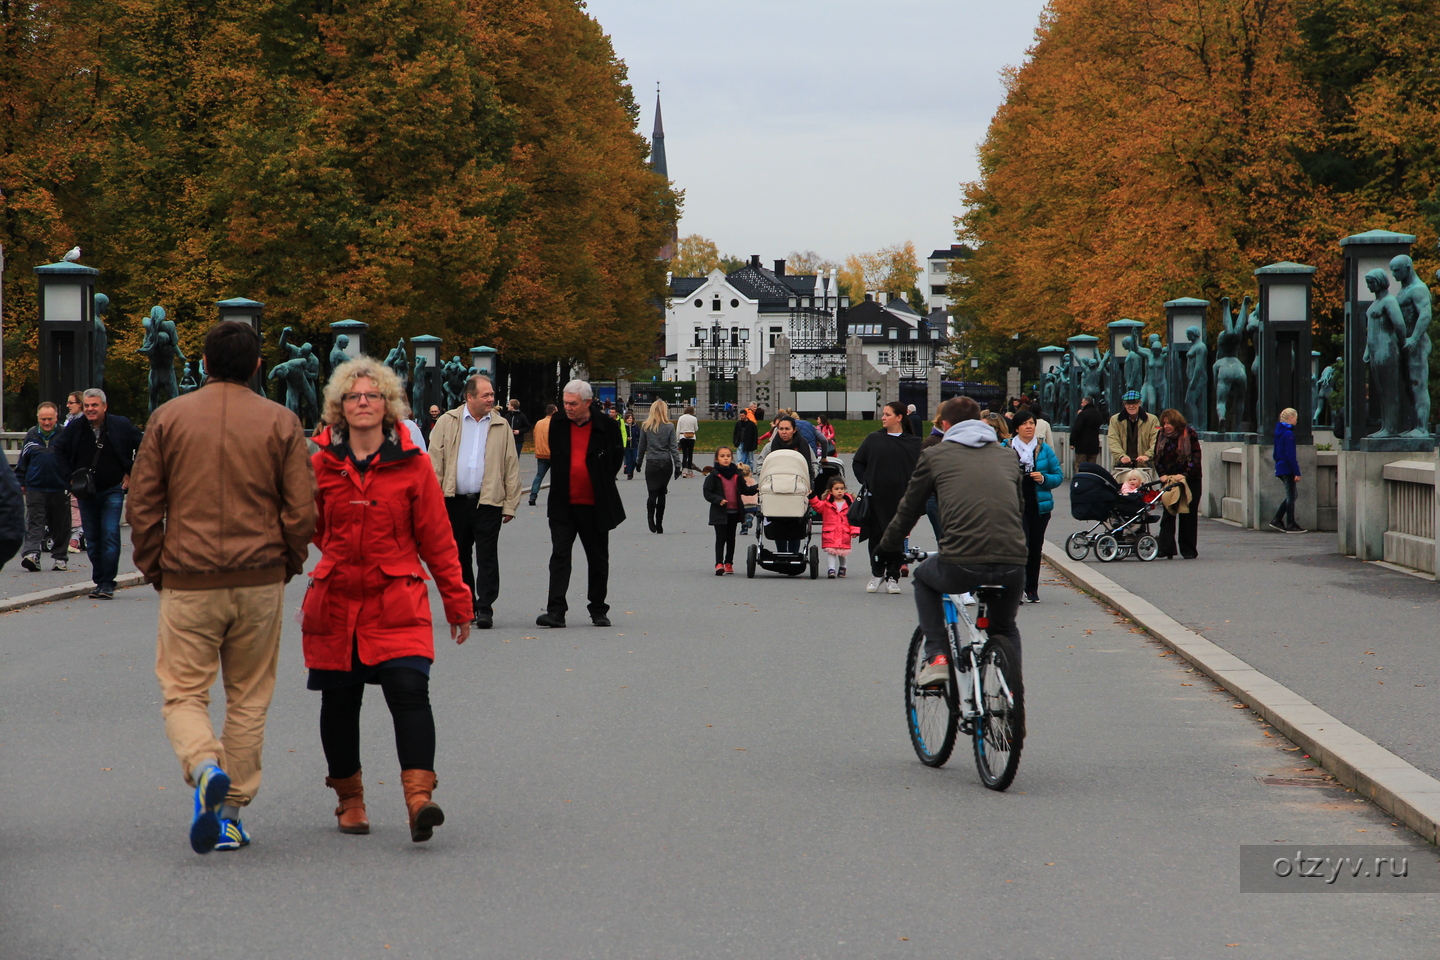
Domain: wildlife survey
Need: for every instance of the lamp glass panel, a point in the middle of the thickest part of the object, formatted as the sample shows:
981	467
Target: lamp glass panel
429	351
1364	265
64	302
352	349
1049	362
1183	320
246	318
1286	301
1117	347
1083	351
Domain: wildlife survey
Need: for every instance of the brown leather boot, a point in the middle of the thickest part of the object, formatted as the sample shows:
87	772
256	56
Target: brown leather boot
351	812
425	814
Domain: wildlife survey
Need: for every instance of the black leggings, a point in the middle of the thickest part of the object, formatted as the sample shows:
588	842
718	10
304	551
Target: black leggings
725	539
657	483
687	453
407	693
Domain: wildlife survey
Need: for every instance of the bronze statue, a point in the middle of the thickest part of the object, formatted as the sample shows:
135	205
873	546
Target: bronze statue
1414	302
292	374
452	383
1230	378
399	361
418	383
162	345
1197	389
1384	352
1324	389
190	379
100	344
1152	390
1092	380
337	352
1133	366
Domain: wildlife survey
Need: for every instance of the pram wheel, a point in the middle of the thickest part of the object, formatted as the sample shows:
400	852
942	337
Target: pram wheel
1147	547
1107	548
750	561
814	563
1077	546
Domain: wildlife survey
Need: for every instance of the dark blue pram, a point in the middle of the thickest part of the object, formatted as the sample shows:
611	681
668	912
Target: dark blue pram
1121	522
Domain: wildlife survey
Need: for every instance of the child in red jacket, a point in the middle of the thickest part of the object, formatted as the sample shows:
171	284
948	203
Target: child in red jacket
835	529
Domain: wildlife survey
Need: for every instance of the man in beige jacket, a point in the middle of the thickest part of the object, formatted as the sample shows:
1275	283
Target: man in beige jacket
221	511
473	453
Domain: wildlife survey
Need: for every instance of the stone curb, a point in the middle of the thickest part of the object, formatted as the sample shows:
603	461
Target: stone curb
1397	787
132	579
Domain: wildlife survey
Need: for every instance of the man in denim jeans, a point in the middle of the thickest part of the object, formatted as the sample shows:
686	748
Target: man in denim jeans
104	443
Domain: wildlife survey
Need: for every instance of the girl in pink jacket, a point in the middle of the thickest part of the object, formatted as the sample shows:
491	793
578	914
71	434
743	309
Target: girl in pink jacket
835	530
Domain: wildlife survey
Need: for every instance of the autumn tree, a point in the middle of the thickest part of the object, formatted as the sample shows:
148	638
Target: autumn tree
888	271
808	262
695	256
1146	149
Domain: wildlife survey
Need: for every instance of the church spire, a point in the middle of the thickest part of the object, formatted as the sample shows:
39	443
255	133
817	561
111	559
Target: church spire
657	141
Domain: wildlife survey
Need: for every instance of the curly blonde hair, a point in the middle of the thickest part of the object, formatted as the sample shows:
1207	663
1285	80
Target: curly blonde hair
343	379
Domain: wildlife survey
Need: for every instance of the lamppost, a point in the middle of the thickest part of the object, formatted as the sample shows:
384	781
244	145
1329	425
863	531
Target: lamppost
1050	361
1284	345
482	360
1180	316
242	310
67	328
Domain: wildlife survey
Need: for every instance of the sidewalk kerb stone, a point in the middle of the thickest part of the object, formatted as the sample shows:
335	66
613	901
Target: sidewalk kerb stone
69	591
1392	783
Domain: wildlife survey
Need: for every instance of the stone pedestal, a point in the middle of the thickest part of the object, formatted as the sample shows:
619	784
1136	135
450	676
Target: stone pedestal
702	397
1363	503
932	393
1012	382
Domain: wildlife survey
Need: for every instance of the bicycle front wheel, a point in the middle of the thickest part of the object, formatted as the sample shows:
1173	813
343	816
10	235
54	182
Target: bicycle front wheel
931	713
1000	732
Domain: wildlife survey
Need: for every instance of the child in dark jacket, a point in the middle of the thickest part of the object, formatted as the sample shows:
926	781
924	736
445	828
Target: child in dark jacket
724	488
836	532
1287	470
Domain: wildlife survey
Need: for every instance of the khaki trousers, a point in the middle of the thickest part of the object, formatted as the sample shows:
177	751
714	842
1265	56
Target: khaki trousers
234	631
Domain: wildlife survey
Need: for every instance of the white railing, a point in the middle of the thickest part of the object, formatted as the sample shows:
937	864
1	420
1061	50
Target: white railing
1410	502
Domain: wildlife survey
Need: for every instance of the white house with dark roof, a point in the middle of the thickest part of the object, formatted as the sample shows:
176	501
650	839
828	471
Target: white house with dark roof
726	322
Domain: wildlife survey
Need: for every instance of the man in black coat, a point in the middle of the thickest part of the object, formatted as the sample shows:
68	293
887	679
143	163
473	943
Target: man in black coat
585	455
104	443
1085	431
12	514
745	437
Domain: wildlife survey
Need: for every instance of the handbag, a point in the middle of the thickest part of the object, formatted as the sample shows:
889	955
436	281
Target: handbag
82	481
860	509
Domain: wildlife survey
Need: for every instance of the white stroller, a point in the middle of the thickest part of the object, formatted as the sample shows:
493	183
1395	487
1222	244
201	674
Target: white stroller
784	518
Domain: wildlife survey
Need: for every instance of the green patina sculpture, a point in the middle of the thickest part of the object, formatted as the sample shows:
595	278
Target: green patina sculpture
1321	392
1415	307
100	344
306	352
418	383
1230	378
1197	387
452	382
162	346
1092	379
399	361
1384	352
1133	366
337	352
1152	391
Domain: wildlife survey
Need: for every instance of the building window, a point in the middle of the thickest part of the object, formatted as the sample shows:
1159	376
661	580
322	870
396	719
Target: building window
937	288
883	358
699	302
715	305
734	304
699	337
774	335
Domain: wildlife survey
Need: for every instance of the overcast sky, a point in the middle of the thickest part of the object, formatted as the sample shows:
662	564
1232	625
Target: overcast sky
832	125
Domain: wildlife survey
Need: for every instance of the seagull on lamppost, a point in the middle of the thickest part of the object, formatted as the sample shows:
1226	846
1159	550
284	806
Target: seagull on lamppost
72	256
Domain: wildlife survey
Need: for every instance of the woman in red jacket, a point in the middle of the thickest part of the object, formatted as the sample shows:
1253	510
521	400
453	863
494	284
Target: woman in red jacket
367	612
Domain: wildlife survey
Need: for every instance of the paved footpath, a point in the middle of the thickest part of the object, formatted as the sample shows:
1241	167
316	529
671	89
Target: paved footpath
1356	639
16	581
725	772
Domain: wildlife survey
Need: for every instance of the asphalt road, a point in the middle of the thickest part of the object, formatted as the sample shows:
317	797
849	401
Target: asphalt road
724	773
1356	639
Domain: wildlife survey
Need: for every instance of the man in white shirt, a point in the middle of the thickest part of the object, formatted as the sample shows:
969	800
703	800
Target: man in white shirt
474	458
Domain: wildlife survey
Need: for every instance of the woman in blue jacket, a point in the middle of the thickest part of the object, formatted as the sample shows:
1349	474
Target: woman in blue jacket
1041	469
1287	469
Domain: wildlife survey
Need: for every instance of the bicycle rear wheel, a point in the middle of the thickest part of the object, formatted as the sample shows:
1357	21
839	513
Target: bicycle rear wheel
931	713
1000	732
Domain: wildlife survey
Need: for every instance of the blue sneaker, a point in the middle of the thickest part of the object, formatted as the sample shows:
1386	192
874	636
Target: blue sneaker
233	835
210	793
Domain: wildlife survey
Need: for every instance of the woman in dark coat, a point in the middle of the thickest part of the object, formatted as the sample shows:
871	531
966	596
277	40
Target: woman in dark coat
884	463
1177	454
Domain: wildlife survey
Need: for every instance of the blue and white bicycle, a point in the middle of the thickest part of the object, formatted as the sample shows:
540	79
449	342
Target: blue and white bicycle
983	697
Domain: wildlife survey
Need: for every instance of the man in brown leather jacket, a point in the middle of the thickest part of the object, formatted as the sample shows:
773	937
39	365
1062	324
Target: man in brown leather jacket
221	511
